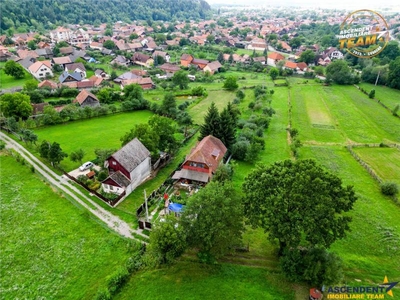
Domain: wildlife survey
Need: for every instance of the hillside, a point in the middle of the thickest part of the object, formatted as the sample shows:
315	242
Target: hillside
25	13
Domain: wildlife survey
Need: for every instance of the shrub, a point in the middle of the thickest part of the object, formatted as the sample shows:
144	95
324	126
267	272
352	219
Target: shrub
251	105
117	280
371	94
389	188
102	176
2	145
239	149
103	294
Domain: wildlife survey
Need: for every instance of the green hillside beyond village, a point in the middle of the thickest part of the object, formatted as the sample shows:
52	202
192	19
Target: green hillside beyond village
193	150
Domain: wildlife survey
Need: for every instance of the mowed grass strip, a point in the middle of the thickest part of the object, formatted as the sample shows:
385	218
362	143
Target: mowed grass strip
371	250
362	120
312	117
7	81
389	97
50	249
220	98
385	162
191	280
101	132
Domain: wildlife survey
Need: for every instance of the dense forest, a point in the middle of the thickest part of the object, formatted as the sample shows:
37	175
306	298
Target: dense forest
39	14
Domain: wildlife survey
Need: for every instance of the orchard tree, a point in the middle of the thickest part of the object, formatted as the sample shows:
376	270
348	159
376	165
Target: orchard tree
168	106
56	155
274	72
30	85
307	56
77	155
339	72
213	219
184	119
181	79
15	105
167	241
231	83
165	130
13	69
298	203
28	136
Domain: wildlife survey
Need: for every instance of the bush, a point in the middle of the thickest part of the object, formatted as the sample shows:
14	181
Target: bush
251	105
239	149
102	176
389	188
371	94
117	280
2	145
103	294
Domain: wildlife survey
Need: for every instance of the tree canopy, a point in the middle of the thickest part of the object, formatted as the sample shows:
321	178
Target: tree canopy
339	72
394	74
13	69
15	105
298	203
180	79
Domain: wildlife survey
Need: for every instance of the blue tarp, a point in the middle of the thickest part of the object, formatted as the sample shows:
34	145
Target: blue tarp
176	207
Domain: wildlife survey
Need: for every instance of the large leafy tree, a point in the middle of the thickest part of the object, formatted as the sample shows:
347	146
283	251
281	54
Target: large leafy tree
394	74
165	129
13	69
180	79
146	136
168	106
307	56
231	83
211	125
298	203
56	155
274	72
15	105
339	72
213	219
77	155
167	241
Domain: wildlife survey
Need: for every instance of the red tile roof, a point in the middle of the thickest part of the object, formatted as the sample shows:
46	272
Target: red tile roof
276	56
290	65
83	95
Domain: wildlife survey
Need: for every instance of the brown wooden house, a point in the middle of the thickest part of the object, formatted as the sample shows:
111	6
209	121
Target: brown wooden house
86	98
186	59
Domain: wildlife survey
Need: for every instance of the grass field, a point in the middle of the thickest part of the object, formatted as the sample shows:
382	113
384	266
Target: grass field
389	97
7	81
102	132
50	249
385	162
220	98
371	249
191	280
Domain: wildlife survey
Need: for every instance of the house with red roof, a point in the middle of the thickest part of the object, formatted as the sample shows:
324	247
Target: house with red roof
273	58
201	163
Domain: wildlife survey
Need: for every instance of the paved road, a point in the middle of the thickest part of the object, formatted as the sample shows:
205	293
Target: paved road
63	183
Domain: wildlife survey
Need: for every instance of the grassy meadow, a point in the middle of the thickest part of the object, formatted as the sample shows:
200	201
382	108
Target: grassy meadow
389	97
102	132
50	248
8	82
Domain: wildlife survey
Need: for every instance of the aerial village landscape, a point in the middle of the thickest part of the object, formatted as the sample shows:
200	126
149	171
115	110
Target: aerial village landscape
202	152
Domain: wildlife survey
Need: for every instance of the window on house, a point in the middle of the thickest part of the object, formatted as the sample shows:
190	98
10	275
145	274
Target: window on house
40	74
114	163
111	187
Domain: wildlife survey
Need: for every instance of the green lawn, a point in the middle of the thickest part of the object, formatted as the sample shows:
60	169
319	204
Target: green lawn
371	250
385	162
389	97
220	98
7	81
101	132
192	280
50	248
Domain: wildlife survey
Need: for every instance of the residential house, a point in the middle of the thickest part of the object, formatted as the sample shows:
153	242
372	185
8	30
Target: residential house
290	65
127	168
86	98
273	58
38	108
201	163
79	54
48	84
200	63
285	46
44	52
302	66
76	67
332	53
169	68
5	55
60	34
96	46
142	60
26	62
67	50
121	61
66	77
42	45
126	76
186	60
61	61
212	67
23	53
100	73
163	54
146	83
41	69
260	59
257	44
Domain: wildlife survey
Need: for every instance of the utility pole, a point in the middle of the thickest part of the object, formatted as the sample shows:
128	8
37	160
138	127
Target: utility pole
377	78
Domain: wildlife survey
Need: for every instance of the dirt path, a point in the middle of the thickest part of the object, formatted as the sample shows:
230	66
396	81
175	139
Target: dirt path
63	184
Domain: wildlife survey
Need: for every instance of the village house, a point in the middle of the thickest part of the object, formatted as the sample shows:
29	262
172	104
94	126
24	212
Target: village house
146	83
186	60
142	60
163	54
127	168
69	77
76	67
212	67
273	58
199	63
86	98
41	69
121	61
60	34
201	163
169	68
48	84
61	61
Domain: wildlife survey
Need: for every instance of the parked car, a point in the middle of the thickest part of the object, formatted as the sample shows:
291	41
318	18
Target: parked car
86	165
